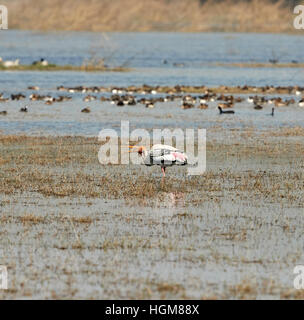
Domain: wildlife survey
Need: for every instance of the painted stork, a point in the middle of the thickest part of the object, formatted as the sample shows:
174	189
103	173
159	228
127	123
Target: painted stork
161	155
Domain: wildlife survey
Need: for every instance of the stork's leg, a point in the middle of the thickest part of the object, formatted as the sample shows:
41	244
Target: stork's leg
163	171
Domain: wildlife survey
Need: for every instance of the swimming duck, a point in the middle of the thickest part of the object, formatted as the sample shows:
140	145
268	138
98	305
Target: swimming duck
238	99
18	96
33	88
131	101
222	97
86	110
290	101
189	98
63	98
205	98
150	105
89	98
258	107
272	112
48	99
225	105
279	103
301	103
24	109
4	99
187	105
10	63
227	111
34	97
41	62
203	106
120	103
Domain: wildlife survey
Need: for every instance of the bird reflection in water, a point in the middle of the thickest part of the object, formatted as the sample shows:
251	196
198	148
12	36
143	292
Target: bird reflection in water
174	199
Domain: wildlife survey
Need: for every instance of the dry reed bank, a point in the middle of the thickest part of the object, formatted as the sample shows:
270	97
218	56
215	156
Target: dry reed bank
156	15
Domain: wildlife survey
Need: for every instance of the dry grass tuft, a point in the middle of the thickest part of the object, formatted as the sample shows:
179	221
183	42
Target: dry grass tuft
292	294
31	219
244	290
82	220
169	287
288	132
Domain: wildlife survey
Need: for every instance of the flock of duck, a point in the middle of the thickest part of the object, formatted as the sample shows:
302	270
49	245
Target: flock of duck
132	96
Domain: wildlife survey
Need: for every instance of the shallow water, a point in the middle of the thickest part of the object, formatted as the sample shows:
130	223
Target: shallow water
66	118
142	50
72	228
223	242
145	53
158	58
124	249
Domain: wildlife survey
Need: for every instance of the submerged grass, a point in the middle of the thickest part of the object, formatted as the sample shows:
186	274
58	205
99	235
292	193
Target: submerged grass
68	166
233	233
53	67
95	68
262	65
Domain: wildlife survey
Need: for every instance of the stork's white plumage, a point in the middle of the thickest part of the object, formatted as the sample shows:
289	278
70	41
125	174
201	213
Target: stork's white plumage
161	155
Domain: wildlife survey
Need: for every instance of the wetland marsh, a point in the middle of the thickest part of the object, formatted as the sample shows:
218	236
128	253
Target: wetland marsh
71	228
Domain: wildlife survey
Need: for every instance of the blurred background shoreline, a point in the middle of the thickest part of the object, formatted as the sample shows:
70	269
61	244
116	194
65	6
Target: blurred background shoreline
254	16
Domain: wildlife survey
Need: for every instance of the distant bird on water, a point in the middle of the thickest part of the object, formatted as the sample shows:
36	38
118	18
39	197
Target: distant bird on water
24	109
86	110
226	111
272	112
150	105
258	107
161	155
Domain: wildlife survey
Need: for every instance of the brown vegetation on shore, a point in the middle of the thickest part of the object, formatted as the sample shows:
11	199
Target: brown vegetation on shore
156	15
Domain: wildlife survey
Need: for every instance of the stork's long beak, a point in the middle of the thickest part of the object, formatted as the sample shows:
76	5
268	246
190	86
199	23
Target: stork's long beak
136	148
133	148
